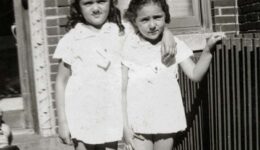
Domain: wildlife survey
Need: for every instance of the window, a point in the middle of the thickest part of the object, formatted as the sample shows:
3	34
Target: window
187	15
180	8
192	15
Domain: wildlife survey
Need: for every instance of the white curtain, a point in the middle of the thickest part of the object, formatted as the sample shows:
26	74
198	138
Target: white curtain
180	8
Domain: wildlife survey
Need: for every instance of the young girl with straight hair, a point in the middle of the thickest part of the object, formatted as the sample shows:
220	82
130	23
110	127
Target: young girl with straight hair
88	84
88	80
151	93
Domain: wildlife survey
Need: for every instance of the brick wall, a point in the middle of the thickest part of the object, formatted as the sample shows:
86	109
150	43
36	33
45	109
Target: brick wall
249	15
56	12
224	16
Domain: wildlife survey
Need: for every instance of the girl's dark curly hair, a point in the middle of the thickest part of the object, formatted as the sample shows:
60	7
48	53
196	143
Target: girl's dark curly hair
135	5
77	17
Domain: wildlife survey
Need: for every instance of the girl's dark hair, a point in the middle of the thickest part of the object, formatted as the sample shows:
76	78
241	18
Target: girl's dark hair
135	5
77	17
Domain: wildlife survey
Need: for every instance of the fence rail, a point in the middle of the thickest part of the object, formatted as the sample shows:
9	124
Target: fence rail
223	110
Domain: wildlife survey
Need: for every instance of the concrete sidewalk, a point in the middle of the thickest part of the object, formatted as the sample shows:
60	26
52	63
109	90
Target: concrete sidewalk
36	142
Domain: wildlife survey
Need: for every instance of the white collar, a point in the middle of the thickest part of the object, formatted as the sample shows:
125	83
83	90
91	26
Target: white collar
82	31
137	41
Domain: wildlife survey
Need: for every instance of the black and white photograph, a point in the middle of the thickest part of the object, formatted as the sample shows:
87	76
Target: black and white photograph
129	74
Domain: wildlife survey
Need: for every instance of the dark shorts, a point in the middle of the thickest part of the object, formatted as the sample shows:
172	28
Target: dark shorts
112	145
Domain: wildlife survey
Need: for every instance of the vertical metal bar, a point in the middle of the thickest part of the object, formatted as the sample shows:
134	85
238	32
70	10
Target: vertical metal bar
185	94
234	116
195	90
186	143
197	132
191	136
257	89
191	140
200	124
249	91
194	134
238	94
219	98
211	102
216	103
188	93
188	140
223	89
244	91
227	70
191	93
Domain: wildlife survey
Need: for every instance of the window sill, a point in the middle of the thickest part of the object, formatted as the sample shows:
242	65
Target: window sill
196	41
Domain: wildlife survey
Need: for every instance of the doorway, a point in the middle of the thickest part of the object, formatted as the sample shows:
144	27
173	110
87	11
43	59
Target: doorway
15	88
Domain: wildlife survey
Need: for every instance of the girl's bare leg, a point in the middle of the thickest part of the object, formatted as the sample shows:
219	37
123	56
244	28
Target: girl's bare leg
163	142
146	144
82	146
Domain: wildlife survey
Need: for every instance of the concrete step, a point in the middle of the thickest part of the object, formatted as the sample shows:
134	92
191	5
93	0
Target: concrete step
36	142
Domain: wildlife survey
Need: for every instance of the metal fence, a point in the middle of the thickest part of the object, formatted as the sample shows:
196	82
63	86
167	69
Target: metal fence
223	110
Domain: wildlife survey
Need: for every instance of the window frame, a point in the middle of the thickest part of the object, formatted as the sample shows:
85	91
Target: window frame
200	22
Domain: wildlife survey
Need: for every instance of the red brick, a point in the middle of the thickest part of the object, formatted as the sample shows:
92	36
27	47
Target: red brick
245	9
216	28
63	2
51	12
52	22
63	21
50	3
51	49
63	11
252	17
63	30
254	7
242	27
55	113
229	28
53	40
258	25
221	3
54	68
228	11
52	31
242	19
224	19
246	2
53	61
53	77
54	104
241	2
215	12
257	6
251	26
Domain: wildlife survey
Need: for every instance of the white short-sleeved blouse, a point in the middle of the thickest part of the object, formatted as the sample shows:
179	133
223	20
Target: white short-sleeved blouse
153	96
93	92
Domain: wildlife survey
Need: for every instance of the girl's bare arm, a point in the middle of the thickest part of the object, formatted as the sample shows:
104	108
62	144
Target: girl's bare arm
61	82
63	75
196	71
168	43
124	95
